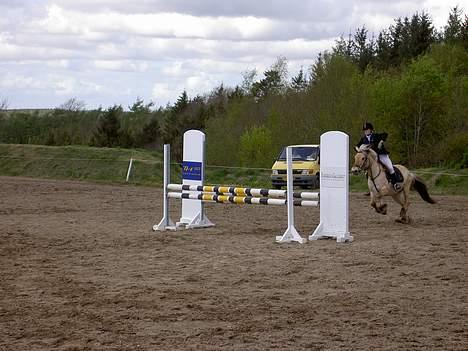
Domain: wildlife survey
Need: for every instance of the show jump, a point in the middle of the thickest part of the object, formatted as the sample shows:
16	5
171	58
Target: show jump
332	199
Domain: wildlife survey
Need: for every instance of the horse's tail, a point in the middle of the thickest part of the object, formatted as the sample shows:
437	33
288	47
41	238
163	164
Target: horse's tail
421	188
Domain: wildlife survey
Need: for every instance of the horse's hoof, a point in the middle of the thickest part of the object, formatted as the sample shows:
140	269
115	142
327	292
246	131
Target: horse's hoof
403	220
383	209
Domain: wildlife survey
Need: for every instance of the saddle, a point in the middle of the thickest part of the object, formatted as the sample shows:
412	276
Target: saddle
399	176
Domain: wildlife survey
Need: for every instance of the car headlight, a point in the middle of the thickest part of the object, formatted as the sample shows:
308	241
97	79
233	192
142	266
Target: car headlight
305	171
274	172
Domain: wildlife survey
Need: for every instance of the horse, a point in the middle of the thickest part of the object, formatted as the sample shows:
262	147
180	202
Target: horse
366	159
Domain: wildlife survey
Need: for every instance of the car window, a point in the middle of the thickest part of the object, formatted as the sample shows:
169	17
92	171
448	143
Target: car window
301	153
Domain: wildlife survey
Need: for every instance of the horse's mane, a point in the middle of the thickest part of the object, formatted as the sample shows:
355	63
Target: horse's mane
367	148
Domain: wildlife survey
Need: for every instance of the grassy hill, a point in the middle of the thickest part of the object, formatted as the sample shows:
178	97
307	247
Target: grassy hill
78	162
110	166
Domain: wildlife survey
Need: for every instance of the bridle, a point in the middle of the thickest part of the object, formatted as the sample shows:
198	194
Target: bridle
365	167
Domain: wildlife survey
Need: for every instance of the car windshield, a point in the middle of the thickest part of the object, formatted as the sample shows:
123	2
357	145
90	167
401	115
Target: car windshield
301	153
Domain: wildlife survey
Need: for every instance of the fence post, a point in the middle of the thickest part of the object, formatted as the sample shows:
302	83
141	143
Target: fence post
129	169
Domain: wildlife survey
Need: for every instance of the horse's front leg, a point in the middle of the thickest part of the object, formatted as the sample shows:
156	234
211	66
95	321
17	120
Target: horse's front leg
377	203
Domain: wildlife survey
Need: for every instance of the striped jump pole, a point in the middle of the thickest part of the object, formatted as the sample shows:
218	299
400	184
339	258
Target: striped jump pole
251	200
253	192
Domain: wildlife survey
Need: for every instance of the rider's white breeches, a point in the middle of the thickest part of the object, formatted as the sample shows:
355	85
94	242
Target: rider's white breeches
387	163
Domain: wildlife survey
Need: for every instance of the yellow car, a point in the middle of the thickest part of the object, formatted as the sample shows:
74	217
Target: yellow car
306	167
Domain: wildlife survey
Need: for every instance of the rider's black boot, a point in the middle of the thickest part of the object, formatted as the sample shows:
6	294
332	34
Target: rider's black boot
394	180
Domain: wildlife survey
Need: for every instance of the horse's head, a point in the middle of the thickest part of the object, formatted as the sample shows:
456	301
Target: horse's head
362	159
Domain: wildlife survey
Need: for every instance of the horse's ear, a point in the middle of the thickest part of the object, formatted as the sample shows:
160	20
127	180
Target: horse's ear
356	148
366	147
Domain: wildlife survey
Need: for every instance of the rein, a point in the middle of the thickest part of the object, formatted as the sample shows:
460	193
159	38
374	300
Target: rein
367	168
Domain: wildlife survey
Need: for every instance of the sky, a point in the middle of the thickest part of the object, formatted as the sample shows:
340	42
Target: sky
108	52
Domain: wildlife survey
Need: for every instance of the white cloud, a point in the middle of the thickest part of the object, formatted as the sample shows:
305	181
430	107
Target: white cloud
110	51
162	92
120	65
58	63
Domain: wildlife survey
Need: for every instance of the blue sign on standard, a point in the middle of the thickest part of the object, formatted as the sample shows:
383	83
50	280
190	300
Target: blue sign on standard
192	170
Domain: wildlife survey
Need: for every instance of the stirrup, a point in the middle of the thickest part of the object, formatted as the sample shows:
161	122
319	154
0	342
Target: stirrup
397	187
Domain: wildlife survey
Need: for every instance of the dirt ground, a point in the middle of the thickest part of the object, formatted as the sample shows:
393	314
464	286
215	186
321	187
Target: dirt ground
81	269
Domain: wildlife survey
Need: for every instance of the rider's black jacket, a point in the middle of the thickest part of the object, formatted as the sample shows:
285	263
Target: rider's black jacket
375	139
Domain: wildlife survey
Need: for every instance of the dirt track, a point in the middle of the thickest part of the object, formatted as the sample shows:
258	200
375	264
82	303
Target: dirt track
80	269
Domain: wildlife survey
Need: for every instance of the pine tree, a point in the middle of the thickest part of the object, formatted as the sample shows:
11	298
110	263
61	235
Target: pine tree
299	82
107	131
363	52
317	71
383	50
454	28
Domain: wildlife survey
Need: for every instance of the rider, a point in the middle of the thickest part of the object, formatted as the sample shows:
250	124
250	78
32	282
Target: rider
377	142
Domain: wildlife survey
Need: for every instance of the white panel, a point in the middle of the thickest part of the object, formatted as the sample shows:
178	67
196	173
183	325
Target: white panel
193	154
334	187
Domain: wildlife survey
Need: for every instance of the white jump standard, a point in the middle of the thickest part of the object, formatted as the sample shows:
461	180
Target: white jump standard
332	199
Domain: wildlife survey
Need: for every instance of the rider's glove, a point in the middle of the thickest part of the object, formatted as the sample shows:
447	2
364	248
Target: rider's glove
380	146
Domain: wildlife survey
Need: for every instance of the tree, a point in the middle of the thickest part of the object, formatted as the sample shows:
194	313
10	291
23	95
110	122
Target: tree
317	70
72	105
274	82
150	133
383	50
140	107
464	34
343	47
181	103
396	39
453	31
422	93
218	100
410	38
4	104
256	147
299	82
422	34
172	124
235	94
107	133
248	79
363	50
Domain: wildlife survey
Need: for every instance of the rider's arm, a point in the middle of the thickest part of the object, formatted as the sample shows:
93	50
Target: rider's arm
361	141
383	136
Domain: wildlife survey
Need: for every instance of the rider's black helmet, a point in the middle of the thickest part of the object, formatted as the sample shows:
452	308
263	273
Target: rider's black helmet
367	125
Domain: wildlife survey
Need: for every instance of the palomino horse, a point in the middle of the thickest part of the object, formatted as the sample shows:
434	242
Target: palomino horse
366	159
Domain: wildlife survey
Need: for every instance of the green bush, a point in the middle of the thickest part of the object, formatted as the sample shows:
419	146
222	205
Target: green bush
455	150
256	147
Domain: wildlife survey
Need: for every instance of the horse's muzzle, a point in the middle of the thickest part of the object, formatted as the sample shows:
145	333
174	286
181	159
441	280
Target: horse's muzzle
355	170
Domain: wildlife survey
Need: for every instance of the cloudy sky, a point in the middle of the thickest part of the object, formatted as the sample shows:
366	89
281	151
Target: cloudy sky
107	52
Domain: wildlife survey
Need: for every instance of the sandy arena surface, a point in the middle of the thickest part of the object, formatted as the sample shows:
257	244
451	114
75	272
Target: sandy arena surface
81	269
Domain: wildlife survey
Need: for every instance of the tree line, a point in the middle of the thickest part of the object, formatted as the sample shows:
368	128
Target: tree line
410	80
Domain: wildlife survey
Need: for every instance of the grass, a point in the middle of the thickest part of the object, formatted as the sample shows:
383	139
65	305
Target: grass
110	166
79	162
